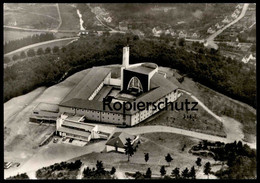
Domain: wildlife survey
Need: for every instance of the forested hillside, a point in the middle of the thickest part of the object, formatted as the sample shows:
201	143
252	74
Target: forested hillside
16	44
225	75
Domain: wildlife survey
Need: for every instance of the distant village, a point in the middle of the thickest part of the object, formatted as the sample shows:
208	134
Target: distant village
229	37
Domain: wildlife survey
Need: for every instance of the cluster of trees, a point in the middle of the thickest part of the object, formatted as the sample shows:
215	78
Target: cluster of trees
176	173
185	174
36	38
22	176
213	70
99	172
241	159
32	53
46	172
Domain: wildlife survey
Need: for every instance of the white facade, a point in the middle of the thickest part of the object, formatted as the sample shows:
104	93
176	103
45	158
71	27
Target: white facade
118	118
112	148
67	128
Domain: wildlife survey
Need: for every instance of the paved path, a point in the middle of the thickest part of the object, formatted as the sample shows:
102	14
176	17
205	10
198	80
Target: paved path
167	129
80	174
202	105
41	30
27	29
38	44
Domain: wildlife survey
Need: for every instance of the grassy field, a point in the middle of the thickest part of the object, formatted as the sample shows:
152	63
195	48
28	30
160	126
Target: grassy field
69	16
219	104
31	15
201	121
157	145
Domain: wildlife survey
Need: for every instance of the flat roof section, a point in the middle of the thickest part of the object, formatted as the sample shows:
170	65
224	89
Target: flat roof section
81	125
74	132
141	69
47	107
74	118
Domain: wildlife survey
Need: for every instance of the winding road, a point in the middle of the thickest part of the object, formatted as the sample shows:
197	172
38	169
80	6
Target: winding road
210	39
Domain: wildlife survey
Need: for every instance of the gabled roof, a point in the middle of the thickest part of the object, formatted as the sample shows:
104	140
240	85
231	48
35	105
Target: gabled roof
118	139
88	84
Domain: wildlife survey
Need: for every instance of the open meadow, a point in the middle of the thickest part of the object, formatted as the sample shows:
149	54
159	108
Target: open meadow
31	15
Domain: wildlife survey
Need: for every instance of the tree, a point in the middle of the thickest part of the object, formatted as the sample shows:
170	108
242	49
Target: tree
22	55
31	53
192	173
181	42
185	173
55	49
162	171
148	173
63	49
47	50
86	172
22	176
198	162
146	157
100	168
176	173
207	168
183	148
136	38
168	158
181	79
7	60
39	51
253	48
77	164
216	157
15	57
113	170
129	149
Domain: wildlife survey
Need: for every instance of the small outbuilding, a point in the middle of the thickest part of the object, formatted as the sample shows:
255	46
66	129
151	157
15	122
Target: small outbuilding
117	141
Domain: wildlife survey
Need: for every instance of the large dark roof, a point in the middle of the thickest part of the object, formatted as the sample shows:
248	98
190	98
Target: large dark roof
119	139
88	84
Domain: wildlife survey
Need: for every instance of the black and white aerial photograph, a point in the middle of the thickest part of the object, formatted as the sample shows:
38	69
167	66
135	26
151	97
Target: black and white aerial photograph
144	91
